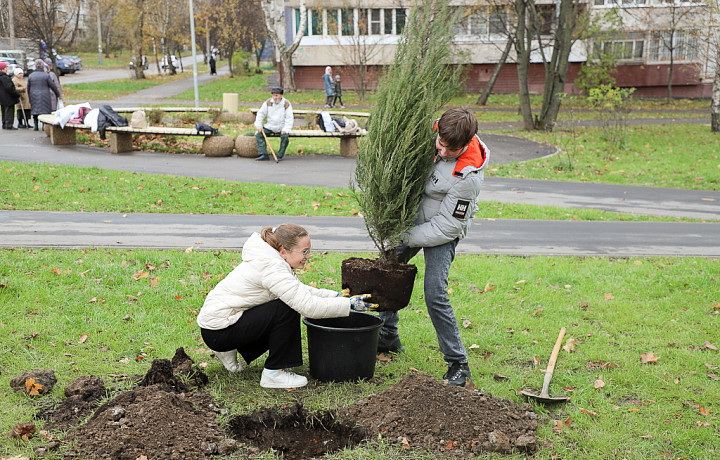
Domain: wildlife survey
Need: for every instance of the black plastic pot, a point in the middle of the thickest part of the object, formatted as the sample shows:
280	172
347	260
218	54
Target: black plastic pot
343	349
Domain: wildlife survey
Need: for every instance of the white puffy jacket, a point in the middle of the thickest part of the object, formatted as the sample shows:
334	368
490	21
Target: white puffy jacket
279	116
263	276
450	198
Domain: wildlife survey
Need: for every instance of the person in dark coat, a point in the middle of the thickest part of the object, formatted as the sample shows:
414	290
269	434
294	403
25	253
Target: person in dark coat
8	98
39	86
211	61
53	97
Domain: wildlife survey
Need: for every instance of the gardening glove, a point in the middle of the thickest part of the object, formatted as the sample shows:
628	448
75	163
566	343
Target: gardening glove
344	293
358	303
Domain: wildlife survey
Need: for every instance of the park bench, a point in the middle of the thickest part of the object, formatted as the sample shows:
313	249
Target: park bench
120	136
348	141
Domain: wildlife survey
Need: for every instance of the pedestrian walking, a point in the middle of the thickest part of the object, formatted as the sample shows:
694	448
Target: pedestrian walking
338	93
329	86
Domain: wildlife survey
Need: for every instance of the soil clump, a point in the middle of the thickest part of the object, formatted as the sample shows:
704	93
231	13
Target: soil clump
420	412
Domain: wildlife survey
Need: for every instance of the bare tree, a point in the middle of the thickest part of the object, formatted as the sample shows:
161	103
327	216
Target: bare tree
46	20
275	22
714	36
550	28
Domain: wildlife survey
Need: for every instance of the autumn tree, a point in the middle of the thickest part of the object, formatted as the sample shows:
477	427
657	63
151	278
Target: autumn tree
274	11
714	36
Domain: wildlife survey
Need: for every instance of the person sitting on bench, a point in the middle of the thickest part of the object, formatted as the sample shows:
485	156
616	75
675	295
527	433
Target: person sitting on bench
280	118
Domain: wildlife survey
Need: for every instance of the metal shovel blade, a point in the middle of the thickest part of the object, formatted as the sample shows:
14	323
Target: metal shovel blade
544	396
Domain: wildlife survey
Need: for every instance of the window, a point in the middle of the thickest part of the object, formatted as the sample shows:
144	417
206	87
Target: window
315	19
375	21
498	21
332	21
629	48
347	21
400	16
297	22
683	45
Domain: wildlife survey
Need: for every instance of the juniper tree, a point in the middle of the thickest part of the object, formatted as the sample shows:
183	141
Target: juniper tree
396	156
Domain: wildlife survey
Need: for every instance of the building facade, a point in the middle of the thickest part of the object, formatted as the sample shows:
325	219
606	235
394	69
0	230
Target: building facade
358	37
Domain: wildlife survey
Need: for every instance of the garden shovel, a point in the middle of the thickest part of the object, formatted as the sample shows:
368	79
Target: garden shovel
268	144
544	397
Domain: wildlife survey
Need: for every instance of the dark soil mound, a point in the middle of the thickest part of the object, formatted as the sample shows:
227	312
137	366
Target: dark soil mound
421	412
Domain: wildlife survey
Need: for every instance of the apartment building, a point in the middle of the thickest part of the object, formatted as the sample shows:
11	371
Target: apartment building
358	38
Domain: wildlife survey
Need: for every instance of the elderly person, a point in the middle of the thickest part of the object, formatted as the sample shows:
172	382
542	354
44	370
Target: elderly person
8	97
329	86
54	98
23	107
39	87
280	118
257	307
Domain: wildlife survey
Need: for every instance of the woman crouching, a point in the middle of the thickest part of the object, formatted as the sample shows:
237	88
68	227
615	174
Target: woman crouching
257	307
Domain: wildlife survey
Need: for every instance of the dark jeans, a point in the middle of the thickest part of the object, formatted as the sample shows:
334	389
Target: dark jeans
337	98
272	326
262	146
8	116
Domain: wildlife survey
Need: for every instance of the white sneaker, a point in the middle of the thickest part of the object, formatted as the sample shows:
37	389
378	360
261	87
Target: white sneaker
282	378
229	360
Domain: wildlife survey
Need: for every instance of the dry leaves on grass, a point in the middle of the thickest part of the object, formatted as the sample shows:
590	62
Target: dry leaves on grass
23	431
569	345
32	387
598	383
649	357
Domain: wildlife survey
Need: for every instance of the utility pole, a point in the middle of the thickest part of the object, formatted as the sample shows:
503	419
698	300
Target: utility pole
99	32
194	54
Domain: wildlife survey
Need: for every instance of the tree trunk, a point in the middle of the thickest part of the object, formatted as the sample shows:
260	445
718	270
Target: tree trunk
139	70
482	100
556	70
715	103
522	48
288	77
670	77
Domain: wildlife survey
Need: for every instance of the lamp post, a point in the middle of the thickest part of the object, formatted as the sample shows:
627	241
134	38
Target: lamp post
99	32
194	54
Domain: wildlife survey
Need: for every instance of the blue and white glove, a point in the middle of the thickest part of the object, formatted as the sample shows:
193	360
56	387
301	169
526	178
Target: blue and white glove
358	303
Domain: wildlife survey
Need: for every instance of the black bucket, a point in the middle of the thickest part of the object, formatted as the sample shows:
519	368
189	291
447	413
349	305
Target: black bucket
343	349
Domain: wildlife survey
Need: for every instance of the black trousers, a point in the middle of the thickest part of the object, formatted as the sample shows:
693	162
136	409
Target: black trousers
272	326
8	116
24	117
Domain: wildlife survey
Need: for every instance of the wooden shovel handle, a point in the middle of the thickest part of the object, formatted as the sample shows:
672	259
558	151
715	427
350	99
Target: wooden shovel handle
551	363
267	142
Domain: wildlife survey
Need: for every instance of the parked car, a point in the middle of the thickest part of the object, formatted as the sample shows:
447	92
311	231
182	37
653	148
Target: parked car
173	60
63	66
74	61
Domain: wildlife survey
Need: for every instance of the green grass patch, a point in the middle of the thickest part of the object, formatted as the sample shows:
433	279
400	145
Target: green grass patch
135	306
111	89
116	59
653	156
42	187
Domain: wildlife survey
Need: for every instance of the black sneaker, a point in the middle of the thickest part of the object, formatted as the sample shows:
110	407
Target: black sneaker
458	374
262	158
389	344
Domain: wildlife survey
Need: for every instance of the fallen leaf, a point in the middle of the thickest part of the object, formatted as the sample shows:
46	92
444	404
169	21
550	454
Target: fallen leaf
709	346
189	250
713	376
382	357
404	442
646	436
588	411
633	409
583	305
140	274
473	346
192	311
648	357
703	411
568	421
536	362
412	369
23	431
500	377
569	345
598	383
701	423
609	296
466	323
83	338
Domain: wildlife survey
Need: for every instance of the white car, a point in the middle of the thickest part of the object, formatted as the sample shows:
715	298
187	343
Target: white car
164	62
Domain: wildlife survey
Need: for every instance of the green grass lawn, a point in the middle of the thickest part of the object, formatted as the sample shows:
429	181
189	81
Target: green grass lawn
511	308
111	89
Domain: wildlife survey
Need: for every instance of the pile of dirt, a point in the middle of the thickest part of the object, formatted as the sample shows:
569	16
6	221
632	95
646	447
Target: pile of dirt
420	412
166	416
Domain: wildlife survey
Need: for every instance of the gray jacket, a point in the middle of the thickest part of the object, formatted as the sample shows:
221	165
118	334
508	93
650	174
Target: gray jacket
39	86
450	198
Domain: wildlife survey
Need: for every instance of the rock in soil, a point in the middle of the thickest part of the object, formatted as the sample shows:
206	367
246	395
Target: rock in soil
44	381
421	412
